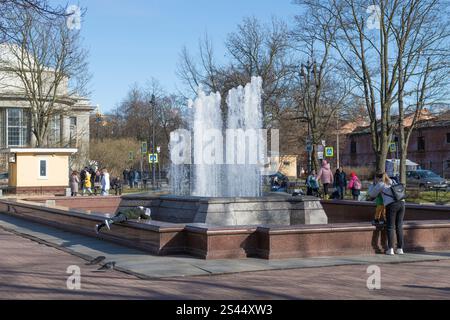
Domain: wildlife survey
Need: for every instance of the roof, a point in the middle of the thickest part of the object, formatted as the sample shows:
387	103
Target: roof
426	120
39	150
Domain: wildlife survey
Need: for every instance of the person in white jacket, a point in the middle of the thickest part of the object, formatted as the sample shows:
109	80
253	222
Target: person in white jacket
106	184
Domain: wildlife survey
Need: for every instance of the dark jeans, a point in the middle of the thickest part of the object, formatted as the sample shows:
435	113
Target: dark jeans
356	194
119	218
341	191
395	213
117	190
325	188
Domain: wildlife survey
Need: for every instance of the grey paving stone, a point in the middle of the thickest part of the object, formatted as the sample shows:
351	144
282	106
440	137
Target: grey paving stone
147	265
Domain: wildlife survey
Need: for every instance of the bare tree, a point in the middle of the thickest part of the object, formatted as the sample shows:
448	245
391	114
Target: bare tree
422	39
320	93
254	50
137	115
390	50
8	8
263	50
50	65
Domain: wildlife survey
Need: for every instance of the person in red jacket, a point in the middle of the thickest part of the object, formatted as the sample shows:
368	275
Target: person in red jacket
326	177
355	185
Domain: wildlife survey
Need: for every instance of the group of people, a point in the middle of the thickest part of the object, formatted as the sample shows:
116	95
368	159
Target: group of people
390	209
338	180
388	194
94	181
132	176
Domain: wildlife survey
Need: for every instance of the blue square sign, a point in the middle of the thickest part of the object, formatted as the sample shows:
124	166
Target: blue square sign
329	152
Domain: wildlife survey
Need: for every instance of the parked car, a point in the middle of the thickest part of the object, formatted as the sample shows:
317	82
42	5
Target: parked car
4	178
425	179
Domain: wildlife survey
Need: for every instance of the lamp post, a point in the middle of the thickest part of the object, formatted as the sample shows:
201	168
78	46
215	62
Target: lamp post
338	143
307	78
158	150
153	104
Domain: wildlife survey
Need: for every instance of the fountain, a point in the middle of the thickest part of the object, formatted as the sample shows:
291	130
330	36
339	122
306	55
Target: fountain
217	168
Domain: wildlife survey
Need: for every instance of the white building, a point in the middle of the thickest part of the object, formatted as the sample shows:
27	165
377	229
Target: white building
67	129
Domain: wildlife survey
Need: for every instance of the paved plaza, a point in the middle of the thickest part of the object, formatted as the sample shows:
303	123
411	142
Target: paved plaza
35	259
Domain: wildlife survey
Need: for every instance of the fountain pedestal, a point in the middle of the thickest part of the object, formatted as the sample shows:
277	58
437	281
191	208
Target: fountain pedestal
270	210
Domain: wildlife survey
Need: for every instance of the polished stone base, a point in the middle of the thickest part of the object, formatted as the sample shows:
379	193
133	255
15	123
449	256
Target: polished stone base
269	210
238	242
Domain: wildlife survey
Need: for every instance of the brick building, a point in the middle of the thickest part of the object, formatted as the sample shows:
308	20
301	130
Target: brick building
429	145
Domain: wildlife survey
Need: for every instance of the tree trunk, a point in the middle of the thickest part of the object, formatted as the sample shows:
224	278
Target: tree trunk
403	144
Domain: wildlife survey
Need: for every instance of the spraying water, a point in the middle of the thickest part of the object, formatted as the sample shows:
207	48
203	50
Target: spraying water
218	162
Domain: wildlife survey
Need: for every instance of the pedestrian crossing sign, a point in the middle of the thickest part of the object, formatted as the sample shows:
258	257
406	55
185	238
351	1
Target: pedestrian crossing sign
393	147
329	152
153	158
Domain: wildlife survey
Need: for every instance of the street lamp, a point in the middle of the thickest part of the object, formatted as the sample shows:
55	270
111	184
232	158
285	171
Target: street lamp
153	104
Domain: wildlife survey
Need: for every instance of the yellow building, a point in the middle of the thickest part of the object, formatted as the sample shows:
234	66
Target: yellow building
38	171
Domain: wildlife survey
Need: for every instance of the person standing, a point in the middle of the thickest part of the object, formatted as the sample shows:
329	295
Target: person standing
340	182
74	183
93	175
326	177
395	212
125	174
355	186
105	182
131	178
97	181
87	183
312	186
82	178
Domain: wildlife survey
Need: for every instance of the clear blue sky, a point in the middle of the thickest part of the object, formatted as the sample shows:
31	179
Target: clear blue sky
131	41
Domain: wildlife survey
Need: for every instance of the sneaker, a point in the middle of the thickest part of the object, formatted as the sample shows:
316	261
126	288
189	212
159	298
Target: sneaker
107	224
400	252
390	252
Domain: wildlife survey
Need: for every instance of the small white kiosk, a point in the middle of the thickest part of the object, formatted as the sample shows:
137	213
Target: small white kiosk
38	171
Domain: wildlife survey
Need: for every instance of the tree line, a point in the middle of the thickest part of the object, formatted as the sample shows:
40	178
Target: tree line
339	60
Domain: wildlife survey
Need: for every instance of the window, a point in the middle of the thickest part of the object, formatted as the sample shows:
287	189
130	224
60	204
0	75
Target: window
17	127
73	131
421	144
353	147
43	169
54	131
73	122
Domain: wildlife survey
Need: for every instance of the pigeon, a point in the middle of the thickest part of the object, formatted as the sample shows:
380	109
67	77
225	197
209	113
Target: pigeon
107	266
96	261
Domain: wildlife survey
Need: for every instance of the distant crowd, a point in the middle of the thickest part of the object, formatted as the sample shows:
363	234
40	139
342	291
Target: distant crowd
93	181
338	180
